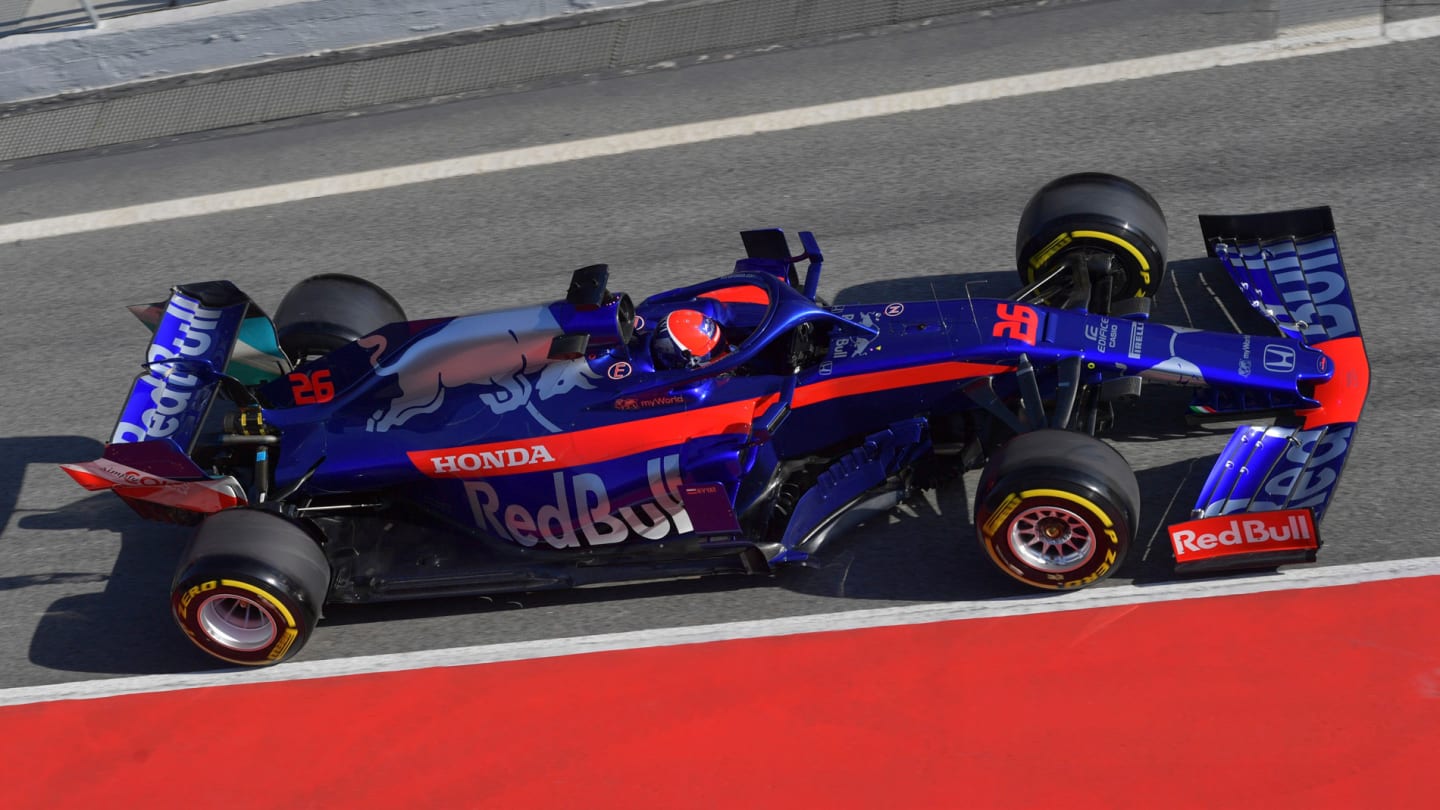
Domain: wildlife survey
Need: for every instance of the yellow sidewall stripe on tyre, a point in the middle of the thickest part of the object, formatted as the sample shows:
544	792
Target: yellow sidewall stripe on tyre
1129	248
1076	499
1064	239
1046	253
1001	512
1113	239
263	594
1013	500
291	630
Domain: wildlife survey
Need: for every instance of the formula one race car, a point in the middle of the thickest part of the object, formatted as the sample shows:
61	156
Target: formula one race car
340	453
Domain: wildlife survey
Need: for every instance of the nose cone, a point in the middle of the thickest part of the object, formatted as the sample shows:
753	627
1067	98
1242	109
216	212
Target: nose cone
1343	382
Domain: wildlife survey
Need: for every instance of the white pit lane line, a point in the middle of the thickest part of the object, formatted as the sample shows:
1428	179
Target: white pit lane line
1360	32
1329	577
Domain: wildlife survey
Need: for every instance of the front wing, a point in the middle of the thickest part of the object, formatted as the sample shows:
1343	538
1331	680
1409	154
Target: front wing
1270	487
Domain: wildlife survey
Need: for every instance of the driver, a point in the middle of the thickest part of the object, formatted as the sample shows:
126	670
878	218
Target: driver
686	339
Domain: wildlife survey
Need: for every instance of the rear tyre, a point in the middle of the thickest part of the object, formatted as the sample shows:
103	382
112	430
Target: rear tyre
1095	223
1056	509
324	312
250	587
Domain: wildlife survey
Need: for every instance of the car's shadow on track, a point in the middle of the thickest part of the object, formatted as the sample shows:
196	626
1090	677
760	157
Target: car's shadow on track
125	628
19	453
924	551
615	598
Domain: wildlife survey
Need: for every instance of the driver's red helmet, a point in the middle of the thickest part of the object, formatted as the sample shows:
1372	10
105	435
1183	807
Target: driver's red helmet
685	339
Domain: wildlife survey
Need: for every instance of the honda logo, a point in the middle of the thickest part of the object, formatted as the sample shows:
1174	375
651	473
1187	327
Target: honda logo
1279	359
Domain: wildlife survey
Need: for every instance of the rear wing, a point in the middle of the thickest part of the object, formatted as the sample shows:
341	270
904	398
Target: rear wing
205	333
158	481
256	357
205	336
1279	480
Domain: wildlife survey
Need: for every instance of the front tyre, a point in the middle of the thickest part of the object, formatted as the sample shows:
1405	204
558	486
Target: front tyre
249	589
1104	226
1056	509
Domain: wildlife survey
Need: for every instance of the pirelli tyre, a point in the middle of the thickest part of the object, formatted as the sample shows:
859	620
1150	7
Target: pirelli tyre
324	312
250	587
1057	509
1105	225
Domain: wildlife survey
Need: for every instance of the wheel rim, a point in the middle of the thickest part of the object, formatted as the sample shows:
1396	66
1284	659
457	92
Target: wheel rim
237	622
1051	539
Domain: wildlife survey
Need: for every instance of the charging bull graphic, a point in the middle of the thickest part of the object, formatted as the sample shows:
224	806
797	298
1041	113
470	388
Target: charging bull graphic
497	350
850	346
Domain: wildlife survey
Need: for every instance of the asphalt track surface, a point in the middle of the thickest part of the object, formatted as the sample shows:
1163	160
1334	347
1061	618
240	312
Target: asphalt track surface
903	205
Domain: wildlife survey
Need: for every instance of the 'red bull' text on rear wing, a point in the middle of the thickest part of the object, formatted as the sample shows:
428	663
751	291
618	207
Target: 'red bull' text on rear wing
1270	487
205	335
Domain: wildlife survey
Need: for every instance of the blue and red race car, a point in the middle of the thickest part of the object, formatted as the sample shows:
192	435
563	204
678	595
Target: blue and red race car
341	453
